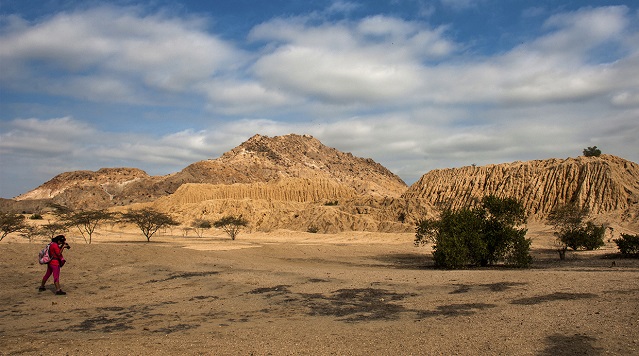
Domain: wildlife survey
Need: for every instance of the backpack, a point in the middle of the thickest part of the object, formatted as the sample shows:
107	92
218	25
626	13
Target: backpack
43	256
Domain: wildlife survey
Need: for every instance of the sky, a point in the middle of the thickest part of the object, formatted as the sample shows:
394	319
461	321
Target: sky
415	85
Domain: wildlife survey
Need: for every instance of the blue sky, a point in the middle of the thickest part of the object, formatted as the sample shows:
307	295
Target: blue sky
415	85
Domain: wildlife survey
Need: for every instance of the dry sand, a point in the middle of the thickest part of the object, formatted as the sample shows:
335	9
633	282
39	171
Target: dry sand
289	293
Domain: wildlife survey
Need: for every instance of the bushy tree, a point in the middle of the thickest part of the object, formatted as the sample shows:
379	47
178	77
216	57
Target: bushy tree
232	225
149	220
592	152
30	231
573	230
11	223
480	236
86	221
628	244
200	225
52	229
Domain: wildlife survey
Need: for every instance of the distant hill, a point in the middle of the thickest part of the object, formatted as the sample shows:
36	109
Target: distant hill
295	182
259	159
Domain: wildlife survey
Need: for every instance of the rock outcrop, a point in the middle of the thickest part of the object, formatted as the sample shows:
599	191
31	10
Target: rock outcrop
604	184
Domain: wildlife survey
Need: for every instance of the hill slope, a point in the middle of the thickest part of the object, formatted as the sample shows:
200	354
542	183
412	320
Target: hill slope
259	159
604	184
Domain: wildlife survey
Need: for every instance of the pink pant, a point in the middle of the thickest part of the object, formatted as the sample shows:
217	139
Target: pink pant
52	269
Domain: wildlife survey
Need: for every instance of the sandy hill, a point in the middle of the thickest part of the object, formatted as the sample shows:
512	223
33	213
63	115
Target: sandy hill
260	159
295	182
606	185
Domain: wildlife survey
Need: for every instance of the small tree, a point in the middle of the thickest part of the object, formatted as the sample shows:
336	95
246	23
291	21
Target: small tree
628	244
29	232
231	225
149	220
200	225
86	221
592	152
52	229
11	223
573	231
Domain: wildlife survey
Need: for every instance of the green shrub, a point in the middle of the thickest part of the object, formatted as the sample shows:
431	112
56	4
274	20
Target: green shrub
479	236
592	152
592	236
313	229
628	244
35	216
572	229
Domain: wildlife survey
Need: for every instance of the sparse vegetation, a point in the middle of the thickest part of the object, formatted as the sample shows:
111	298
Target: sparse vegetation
86	221
52	229
573	231
592	152
29	232
35	216
231	225
628	244
11	223
149	220
479	236
313	229
201	225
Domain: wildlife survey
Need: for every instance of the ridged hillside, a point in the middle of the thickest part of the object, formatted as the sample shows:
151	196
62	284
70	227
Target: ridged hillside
291	203
292	189
603	184
258	160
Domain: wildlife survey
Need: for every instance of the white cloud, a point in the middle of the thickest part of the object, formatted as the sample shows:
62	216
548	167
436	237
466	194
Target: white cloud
376	59
461	4
341	6
138	51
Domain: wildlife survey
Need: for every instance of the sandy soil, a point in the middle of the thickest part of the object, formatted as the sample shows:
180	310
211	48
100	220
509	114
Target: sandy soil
291	293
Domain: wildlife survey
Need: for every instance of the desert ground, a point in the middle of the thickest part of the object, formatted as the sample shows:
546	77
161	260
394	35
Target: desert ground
292	293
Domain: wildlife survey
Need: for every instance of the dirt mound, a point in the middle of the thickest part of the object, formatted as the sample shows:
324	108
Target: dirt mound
604	184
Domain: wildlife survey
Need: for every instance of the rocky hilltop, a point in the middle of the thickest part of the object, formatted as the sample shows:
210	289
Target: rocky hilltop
266	159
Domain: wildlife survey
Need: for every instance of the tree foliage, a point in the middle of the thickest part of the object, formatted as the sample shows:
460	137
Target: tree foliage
628	244
30	231
479	236
52	229
149	220
573	230
231	225
11	223
86	221
592	152
200	225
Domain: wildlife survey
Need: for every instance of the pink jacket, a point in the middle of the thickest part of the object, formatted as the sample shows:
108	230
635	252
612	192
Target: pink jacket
56	255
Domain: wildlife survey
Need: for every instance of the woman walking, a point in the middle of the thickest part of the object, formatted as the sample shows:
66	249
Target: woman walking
58	244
